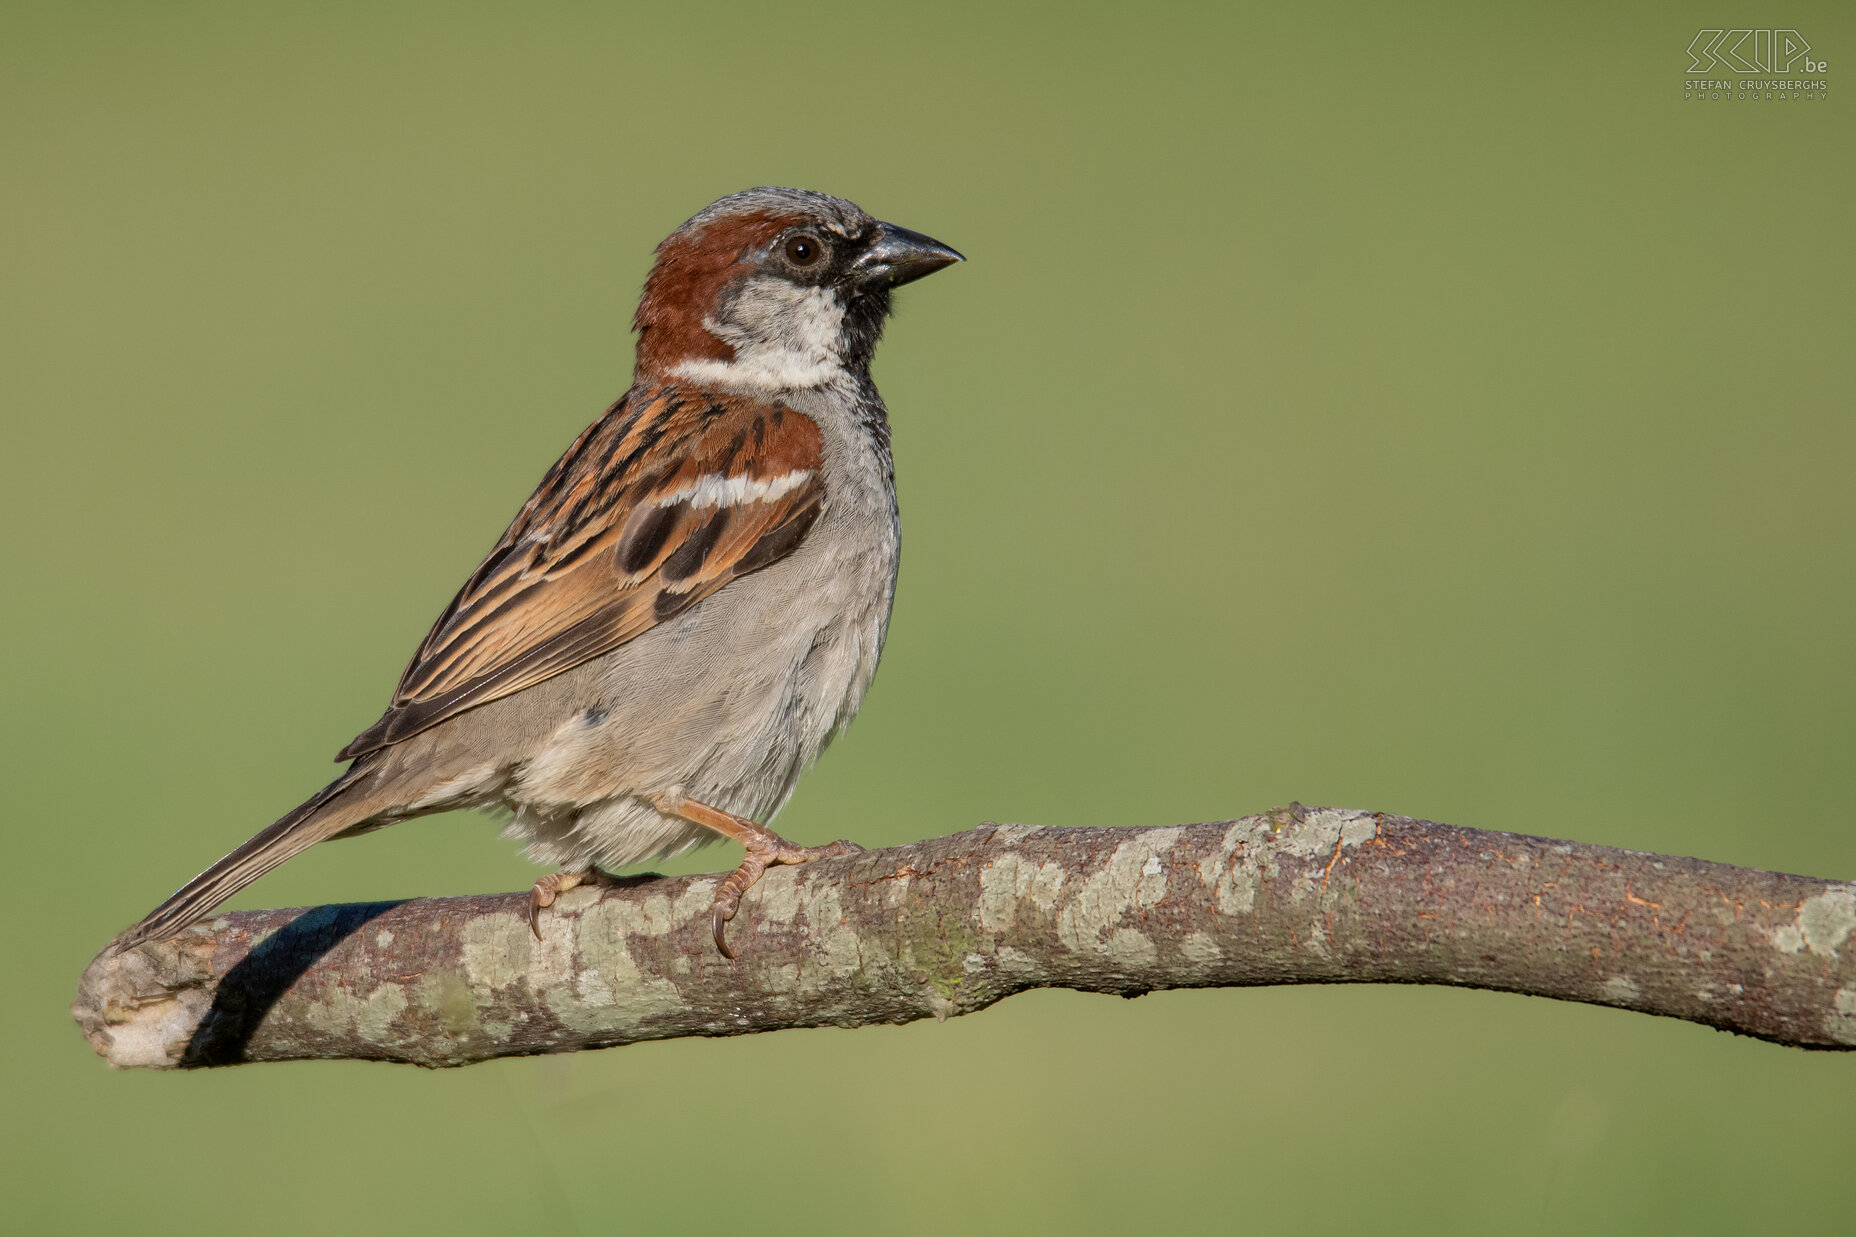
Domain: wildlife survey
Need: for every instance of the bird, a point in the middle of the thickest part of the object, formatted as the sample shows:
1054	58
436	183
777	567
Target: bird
692	603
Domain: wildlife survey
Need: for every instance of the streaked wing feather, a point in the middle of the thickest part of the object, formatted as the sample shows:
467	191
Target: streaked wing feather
661	502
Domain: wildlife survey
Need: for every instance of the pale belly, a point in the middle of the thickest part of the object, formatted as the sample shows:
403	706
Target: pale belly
726	705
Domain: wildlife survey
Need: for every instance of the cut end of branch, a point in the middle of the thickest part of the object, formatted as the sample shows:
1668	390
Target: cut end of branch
140	1008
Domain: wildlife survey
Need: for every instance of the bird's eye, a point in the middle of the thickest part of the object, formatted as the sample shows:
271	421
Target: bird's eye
803	250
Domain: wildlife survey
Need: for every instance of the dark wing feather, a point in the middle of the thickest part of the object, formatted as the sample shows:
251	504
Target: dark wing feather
658	504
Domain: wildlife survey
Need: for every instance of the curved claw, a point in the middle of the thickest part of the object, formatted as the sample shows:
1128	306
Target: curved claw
552	886
720	920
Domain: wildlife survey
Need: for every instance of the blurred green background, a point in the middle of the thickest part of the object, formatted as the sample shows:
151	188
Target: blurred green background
1416	409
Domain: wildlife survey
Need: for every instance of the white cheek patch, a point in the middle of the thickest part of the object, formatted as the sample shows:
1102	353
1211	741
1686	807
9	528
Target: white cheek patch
718	491
784	337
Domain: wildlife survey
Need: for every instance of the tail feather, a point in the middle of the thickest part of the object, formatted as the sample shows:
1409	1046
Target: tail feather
327	813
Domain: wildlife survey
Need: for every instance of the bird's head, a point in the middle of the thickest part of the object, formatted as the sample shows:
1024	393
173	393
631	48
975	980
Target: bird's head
775	289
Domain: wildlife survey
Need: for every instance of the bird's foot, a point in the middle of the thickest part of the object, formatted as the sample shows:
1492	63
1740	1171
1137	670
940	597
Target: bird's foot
553	885
763	854
766	849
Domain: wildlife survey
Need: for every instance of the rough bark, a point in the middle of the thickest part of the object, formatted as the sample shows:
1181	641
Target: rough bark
950	925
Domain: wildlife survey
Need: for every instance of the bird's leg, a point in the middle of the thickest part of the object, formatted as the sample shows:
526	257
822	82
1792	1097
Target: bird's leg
765	849
553	885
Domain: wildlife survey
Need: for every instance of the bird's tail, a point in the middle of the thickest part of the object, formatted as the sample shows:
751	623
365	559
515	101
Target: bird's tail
335	807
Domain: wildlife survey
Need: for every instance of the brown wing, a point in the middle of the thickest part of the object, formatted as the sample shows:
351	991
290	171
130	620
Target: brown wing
658	504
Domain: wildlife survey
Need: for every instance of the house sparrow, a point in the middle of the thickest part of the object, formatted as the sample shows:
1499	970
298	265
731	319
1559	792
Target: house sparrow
692	603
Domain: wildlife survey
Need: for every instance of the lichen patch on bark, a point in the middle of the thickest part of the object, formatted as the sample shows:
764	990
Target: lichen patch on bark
1622	990
1228	870
1010	879
1840	1025
497	950
1122	885
1200	948
1824	922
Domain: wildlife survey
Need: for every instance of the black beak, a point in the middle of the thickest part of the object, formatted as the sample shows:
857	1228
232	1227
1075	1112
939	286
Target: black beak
896	256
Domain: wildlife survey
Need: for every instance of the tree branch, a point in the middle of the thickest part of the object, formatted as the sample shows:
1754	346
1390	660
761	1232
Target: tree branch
950	925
